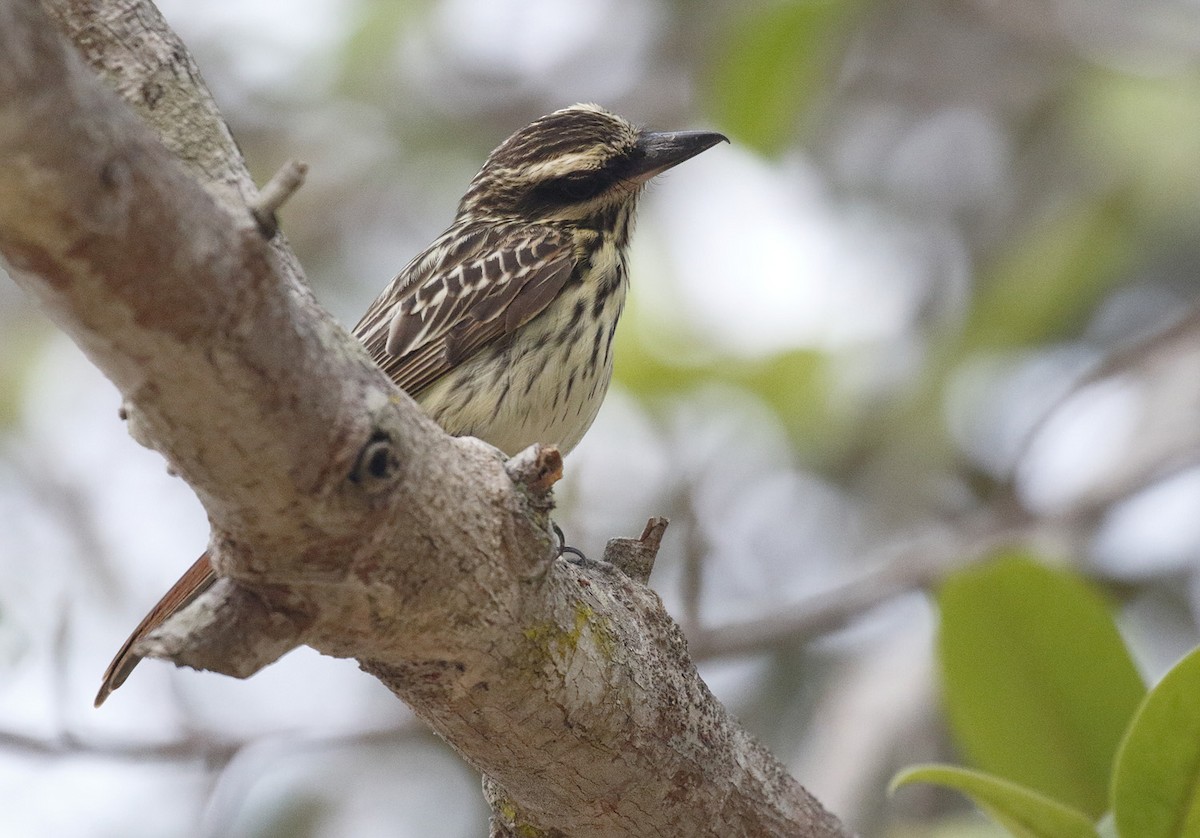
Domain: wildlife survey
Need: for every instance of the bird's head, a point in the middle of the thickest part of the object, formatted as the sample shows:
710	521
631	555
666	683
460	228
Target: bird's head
574	164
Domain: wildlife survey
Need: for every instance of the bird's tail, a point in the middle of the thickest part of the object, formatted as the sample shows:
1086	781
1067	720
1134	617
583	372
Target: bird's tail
195	581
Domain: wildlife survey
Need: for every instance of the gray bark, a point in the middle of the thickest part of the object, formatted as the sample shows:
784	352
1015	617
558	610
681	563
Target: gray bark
343	518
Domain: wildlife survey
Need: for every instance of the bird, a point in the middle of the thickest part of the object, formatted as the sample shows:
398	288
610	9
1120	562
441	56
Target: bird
502	328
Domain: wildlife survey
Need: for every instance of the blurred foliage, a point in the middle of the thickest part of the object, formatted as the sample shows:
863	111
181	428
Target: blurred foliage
1139	132
777	60
1156	779
1039	684
1024	813
794	384
22	345
377	26
1046	282
302	816
1043	695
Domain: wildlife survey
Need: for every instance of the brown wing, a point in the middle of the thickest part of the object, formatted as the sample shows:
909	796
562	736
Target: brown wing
467	290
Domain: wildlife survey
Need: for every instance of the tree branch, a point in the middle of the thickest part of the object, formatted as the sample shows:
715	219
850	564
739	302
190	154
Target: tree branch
344	518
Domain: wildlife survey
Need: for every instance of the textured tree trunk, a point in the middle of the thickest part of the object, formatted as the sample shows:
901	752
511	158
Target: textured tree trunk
343	518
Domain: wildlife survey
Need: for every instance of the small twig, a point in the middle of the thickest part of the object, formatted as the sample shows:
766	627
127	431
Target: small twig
75	516
200	745
537	468
919	565
227	798
1121	360
181	750
635	556
1129	357
695	550
275	193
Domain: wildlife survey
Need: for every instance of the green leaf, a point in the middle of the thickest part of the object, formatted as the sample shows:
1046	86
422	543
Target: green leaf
1156	782
1039	685
1022	811
776	61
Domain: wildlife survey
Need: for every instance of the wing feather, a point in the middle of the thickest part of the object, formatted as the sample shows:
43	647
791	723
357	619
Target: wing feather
464	292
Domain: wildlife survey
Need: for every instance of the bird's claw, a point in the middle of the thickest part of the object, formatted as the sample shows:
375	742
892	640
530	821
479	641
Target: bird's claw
564	548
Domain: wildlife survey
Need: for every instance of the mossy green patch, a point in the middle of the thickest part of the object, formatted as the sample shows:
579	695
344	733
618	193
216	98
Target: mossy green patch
508	811
552	642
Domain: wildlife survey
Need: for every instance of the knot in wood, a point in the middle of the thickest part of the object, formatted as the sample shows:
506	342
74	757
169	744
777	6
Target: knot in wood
377	464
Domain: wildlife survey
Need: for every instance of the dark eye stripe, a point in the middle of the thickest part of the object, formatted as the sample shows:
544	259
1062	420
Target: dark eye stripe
576	187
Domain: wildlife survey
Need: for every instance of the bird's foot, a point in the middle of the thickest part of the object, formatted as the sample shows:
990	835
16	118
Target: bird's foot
564	549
